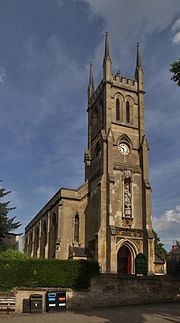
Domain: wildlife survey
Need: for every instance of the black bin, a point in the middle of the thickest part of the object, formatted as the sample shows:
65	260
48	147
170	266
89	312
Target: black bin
35	303
26	305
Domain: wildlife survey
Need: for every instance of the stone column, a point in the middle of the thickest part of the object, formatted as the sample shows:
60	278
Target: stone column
39	247
33	244
58	241
48	236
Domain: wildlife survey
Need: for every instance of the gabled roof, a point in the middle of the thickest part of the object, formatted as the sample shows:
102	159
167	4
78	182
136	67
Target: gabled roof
158	260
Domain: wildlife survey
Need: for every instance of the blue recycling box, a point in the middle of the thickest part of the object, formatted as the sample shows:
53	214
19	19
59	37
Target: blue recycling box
55	301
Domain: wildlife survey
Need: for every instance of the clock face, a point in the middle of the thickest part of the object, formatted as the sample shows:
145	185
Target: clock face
123	149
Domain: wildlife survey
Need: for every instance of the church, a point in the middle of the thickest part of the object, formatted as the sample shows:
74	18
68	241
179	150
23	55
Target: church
109	217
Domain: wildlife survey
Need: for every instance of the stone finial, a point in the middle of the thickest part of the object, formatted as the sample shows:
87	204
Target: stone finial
107	65
91	82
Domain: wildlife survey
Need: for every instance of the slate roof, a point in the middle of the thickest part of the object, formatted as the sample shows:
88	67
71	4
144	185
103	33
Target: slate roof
158	260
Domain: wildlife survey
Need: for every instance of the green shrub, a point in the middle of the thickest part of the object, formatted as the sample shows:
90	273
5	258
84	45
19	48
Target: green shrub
75	274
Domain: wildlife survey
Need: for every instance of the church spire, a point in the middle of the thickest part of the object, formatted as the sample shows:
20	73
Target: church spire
139	73
91	82
138	62
106	46
107	65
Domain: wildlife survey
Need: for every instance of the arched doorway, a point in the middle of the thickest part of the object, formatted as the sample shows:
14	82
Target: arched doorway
124	261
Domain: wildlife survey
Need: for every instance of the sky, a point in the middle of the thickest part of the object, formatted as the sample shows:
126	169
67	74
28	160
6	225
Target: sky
45	50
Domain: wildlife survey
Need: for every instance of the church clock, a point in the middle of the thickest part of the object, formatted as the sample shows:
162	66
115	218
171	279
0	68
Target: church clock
123	149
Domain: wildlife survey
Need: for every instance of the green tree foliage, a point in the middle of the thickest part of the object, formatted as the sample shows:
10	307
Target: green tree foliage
11	253
175	69
6	224
159	249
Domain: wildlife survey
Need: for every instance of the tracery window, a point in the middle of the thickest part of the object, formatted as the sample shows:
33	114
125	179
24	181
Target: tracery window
76	228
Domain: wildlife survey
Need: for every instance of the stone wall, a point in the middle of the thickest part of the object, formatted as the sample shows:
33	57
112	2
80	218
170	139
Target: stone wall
113	290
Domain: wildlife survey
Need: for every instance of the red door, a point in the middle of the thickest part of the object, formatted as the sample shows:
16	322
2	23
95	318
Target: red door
124	261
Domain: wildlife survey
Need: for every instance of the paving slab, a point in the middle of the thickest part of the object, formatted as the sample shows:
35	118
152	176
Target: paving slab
156	313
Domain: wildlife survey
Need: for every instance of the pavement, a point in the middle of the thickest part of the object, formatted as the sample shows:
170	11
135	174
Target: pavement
156	313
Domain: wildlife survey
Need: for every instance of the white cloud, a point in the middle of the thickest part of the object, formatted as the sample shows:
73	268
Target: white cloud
147	16
167	226
176	25
176	38
61	74
128	22
2	75
46	191
60	3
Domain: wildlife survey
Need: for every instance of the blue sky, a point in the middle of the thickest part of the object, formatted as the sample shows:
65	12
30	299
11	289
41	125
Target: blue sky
45	50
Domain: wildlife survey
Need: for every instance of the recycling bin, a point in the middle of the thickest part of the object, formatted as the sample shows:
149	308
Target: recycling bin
51	301
61	301
35	303
55	301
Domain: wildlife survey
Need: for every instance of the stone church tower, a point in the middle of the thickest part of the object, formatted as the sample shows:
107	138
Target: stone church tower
109	217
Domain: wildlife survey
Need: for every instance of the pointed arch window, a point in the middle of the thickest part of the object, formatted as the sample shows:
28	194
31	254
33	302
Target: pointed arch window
117	109
127	112
44	233
76	228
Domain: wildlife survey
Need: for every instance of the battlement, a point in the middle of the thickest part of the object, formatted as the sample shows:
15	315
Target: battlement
119	81
122	80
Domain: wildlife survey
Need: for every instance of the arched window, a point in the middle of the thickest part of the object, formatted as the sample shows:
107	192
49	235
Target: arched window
30	243
36	241
76	228
117	109
127	112
44	233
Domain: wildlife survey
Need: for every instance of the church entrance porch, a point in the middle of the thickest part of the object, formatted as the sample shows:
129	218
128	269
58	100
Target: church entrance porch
124	262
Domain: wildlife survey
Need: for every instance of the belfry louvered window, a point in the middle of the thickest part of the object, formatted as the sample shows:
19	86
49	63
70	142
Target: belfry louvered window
127	112
117	109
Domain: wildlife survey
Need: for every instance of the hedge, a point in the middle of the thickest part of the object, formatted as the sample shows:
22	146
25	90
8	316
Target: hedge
75	274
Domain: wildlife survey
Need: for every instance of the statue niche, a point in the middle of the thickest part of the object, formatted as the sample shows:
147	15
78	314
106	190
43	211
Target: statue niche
127	198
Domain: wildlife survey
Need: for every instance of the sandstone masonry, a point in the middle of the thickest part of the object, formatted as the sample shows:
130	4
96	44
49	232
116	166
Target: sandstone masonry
108	218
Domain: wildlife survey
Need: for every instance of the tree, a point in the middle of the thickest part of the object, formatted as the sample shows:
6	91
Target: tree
175	69
6	224
160	251
10	253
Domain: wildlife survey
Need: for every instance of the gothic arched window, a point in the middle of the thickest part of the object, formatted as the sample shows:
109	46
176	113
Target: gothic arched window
36	241
117	109
127	112
44	233
76	228
54	225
